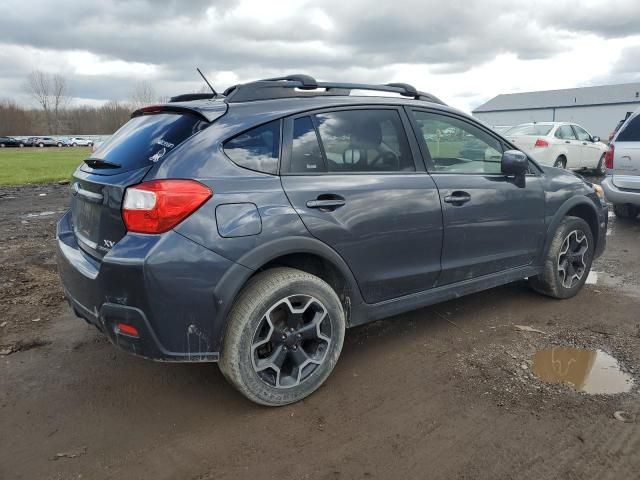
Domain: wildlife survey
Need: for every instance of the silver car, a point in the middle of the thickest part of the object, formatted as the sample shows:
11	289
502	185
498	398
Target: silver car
622	184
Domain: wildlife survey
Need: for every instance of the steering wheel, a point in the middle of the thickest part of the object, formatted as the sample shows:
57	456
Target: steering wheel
387	159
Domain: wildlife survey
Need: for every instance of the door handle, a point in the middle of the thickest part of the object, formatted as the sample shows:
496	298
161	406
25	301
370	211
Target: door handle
567	141
584	143
457	198
329	204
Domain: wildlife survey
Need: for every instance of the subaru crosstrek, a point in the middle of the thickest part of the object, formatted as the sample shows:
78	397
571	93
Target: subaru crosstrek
251	228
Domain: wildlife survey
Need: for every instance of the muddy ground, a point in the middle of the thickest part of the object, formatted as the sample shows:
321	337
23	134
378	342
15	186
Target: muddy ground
442	393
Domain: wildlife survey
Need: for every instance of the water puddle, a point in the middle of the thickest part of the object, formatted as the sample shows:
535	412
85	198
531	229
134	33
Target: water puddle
589	371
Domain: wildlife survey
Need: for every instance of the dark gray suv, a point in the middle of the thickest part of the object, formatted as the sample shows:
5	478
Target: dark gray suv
252	228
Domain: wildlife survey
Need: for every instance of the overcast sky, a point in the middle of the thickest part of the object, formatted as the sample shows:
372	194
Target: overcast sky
465	52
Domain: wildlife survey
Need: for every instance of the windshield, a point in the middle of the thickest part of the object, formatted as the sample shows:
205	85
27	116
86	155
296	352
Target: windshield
530	129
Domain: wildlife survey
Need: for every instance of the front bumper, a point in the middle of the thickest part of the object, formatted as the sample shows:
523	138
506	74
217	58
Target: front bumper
163	285
620	196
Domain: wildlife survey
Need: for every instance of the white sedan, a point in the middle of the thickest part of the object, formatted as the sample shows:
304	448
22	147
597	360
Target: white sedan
560	144
78	141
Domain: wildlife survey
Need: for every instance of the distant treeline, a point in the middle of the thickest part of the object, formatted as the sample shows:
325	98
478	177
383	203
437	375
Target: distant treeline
84	120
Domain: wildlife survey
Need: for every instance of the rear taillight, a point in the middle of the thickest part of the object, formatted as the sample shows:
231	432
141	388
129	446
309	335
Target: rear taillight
540	143
608	157
159	205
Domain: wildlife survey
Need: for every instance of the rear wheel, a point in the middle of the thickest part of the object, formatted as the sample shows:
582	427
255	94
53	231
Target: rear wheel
21	145
560	162
626	211
602	167
59	144
41	145
284	337
568	260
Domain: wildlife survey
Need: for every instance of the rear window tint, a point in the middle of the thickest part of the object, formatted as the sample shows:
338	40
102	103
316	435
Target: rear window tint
257	149
631	131
144	140
530	130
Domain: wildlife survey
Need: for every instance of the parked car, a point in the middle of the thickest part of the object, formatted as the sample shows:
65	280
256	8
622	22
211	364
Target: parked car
622	184
10	142
82	142
47	142
253	227
561	144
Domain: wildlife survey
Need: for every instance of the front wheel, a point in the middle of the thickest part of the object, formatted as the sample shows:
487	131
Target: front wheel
568	260
284	337
625	211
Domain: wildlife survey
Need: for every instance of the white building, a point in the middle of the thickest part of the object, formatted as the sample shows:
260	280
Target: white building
598	109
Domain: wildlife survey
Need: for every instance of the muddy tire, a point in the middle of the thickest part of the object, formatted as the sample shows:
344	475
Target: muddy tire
284	336
626	211
568	260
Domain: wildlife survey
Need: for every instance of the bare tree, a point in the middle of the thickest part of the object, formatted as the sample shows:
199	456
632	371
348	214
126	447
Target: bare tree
143	94
50	91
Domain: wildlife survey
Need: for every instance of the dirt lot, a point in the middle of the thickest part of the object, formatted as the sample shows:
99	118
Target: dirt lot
444	392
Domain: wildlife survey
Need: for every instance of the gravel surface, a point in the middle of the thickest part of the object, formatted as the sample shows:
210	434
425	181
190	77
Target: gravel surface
444	392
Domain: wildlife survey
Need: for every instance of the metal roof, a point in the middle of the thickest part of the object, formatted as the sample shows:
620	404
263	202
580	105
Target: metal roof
570	97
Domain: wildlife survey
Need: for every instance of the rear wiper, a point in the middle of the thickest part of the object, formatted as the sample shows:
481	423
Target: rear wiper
100	163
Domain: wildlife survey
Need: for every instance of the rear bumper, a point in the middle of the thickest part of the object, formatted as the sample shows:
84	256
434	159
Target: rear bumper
165	286
618	195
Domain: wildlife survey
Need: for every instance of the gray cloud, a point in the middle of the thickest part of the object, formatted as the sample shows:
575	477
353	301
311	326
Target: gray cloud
362	40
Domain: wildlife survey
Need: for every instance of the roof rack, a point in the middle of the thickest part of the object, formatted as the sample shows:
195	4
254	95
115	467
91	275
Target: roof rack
305	86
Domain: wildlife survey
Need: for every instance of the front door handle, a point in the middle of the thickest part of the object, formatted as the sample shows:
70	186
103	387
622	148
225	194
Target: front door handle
567	141
327	202
457	198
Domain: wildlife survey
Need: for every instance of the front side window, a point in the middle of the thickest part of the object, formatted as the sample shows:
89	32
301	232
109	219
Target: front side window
256	149
456	146
582	134
364	141
565	132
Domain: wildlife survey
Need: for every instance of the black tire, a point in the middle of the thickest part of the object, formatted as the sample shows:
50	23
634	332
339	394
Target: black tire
601	168
553	281
59	144
2	145
561	162
74	144
249	331
41	145
626	211
21	145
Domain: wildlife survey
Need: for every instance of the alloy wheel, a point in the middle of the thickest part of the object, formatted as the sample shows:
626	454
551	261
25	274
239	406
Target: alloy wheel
291	341
571	259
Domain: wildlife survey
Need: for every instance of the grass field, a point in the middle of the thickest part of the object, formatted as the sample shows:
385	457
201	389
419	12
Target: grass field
19	166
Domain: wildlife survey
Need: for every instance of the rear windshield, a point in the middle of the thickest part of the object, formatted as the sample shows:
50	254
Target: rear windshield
144	140
530	130
631	131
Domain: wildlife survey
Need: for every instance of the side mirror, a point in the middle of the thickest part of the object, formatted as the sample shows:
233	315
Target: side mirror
595	139
515	163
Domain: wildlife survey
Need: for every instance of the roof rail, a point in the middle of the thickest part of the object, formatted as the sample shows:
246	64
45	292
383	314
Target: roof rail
299	85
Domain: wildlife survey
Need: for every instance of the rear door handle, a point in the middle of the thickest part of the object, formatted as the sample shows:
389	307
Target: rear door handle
331	204
457	198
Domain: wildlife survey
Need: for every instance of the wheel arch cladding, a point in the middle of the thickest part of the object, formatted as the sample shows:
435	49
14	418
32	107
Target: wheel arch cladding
581	207
304	253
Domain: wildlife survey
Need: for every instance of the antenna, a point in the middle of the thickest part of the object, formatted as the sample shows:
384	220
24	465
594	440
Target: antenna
206	81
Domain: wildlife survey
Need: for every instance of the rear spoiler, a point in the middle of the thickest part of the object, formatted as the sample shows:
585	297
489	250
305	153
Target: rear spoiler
207	110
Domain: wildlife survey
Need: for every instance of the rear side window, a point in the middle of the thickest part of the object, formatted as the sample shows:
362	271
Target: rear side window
565	132
144	140
256	149
351	141
631	132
